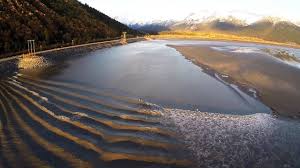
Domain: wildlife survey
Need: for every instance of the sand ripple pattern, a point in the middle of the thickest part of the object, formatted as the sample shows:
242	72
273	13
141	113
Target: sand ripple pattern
46	123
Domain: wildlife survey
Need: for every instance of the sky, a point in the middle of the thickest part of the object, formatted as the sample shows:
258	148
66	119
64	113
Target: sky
128	11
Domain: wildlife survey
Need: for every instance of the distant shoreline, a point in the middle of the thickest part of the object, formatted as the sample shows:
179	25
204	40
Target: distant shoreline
224	37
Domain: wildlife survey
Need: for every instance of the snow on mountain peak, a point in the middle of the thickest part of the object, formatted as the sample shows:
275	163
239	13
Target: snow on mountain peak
238	17
272	19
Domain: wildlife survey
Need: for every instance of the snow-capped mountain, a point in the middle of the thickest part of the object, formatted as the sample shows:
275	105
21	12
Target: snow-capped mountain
273	20
207	16
207	19
268	28
153	26
208	22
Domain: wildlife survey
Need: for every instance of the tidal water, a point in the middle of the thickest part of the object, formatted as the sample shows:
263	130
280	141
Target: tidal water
118	107
157	74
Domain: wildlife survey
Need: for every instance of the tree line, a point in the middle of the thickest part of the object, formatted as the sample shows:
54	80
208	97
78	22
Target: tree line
53	22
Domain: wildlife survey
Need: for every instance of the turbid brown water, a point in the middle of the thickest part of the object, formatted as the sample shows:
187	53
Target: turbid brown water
92	111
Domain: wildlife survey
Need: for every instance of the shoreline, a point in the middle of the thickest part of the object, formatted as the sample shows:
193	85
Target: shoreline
275	89
101	44
262	42
10	65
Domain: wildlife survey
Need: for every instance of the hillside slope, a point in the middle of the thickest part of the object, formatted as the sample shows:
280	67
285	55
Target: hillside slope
52	22
282	31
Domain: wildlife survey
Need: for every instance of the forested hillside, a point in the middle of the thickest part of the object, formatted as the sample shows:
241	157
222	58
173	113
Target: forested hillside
52	22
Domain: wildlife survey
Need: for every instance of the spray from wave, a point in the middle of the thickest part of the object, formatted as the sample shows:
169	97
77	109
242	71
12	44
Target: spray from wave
32	62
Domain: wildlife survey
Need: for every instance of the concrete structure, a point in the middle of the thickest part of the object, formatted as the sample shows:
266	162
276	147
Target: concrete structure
31	47
124	38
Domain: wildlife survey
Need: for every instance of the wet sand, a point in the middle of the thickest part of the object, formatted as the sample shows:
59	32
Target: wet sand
278	83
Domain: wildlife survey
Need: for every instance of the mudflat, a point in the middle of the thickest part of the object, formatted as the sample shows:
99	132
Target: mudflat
277	82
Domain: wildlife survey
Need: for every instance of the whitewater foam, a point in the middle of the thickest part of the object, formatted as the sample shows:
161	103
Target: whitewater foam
17	84
237	49
247	50
32	62
219	140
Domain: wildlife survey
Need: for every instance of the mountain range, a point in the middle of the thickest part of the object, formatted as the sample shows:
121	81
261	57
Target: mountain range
53	22
267	28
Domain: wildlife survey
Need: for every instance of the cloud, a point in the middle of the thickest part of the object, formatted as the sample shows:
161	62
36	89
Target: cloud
145	10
